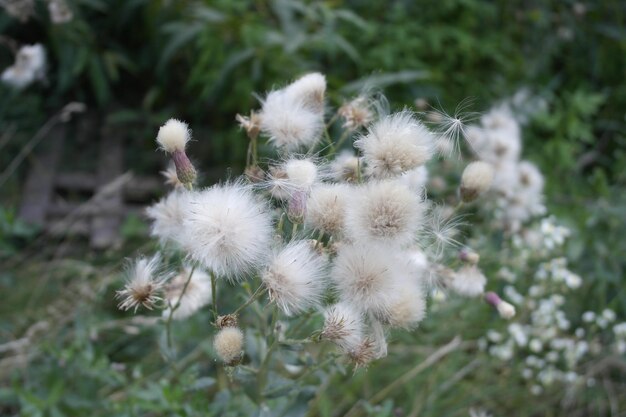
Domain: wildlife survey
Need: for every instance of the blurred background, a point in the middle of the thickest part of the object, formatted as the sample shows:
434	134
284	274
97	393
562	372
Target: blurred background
74	177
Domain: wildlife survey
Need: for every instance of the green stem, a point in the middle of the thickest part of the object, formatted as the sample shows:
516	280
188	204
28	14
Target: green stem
168	325
257	293
214	296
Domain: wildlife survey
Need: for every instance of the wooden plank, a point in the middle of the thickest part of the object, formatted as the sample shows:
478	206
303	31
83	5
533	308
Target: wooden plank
39	186
105	227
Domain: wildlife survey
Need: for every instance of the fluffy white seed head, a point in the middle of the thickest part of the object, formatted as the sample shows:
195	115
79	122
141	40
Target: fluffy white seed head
143	286
167	215
345	167
357	113
228	345
343	325
468	281
530	178
294	116
326	208
396	144
386	211
196	295
366	275
227	229
292	177
407	307
296	277
309	90
476	180
173	136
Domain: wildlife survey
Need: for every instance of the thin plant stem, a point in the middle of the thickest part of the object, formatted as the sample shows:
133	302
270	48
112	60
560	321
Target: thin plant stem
214	296
257	293
168	325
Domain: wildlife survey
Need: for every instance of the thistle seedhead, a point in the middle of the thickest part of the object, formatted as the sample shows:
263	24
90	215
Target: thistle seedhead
476	179
228	345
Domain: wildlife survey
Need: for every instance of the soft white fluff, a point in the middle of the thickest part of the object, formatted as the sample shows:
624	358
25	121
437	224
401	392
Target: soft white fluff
228	345
345	167
294	116
29	66
309	90
173	136
476	179
407	306
343	325
197	293
167	215
227	229
416	179
143	284
396	144
386	211
292	177
367	276
326	207
296	277
468	281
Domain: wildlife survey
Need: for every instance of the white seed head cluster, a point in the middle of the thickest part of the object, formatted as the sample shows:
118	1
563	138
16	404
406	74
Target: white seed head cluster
365	244
296	277
517	189
173	136
228	345
396	144
227	229
29	66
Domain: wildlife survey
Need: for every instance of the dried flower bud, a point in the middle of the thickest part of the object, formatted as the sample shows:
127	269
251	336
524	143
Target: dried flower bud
228	345
476	179
255	174
252	124
229	320
357	113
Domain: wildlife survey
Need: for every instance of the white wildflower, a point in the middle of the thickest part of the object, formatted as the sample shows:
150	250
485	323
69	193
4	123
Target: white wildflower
143	286
29	66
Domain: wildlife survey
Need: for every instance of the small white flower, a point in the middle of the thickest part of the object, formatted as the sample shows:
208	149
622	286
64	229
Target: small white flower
343	325
476	180
326	208
506	310
228	345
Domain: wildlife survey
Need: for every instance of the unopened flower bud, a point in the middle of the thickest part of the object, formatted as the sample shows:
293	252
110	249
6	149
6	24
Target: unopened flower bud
252	124
297	207
469	256
185	171
255	174
476	179
228	345
506	310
